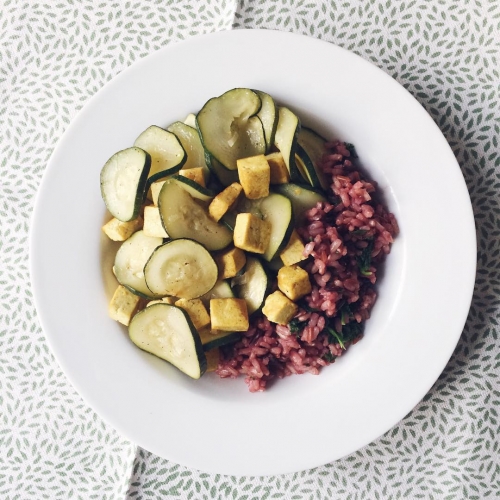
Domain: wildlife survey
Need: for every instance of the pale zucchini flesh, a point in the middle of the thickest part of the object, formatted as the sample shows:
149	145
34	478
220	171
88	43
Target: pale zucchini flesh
167	154
268	115
130	261
167	332
190	140
252	285
123	182
184	217
302	198
313	146
221	290
286	139
181	268
229	127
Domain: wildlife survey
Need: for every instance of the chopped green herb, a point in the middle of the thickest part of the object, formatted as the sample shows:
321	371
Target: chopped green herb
350	147
296	326
351	330
329	357
345	314
337	336
365	259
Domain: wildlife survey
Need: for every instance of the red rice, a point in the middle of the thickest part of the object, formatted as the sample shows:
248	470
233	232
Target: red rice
337	232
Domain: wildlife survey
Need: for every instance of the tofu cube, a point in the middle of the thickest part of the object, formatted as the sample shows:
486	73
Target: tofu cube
294	282
152	223
277	166
196	311
254	174
117	230
279	309
123	305
229	315
195	174
294	250
224	201
213	358
251	233
155	191
230	262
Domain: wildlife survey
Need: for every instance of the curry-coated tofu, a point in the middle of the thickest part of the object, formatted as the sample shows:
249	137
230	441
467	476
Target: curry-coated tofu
254	174
195	174
117	230
230	262
251	233
224	201
294	282
279	309
152	223
229	315
294	250
196	311
123	305
279	172
155	191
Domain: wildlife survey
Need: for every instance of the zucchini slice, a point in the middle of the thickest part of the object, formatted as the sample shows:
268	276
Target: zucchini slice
190	120
268	115
313	145
252	285
130	261
182	268
123	182
217	338
184	217
167	154
167	332
221	290
229	127
190	140
286	139
277	209
306	168
302	197
193	188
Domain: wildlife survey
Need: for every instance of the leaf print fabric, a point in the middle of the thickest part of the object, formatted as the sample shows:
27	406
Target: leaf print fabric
54	56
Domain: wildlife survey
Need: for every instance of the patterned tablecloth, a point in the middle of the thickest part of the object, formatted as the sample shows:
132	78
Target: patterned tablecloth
55	55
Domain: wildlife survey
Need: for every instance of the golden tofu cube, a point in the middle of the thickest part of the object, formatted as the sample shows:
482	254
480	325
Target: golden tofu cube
294	250
254	174
279	309
195	174
196	311
224	201
229	315
152	223
213	357
230	262
294	282
251	233
117	230
277	166
123	305
155	191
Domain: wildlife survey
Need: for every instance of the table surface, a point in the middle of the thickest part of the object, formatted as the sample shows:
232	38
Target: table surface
54	56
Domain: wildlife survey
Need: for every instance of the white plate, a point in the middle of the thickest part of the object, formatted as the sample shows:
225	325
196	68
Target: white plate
303	421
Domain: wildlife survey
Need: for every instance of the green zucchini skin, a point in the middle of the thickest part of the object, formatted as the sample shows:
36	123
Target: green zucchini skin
310	169
313	145
268	115
108	190
194	367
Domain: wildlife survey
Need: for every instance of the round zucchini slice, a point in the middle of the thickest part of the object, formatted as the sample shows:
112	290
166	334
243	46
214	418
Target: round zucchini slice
167	154
268	115
193	188
302	197
313	145
185	217
123	182
181	268
167	332
130	261
286	139
229	127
